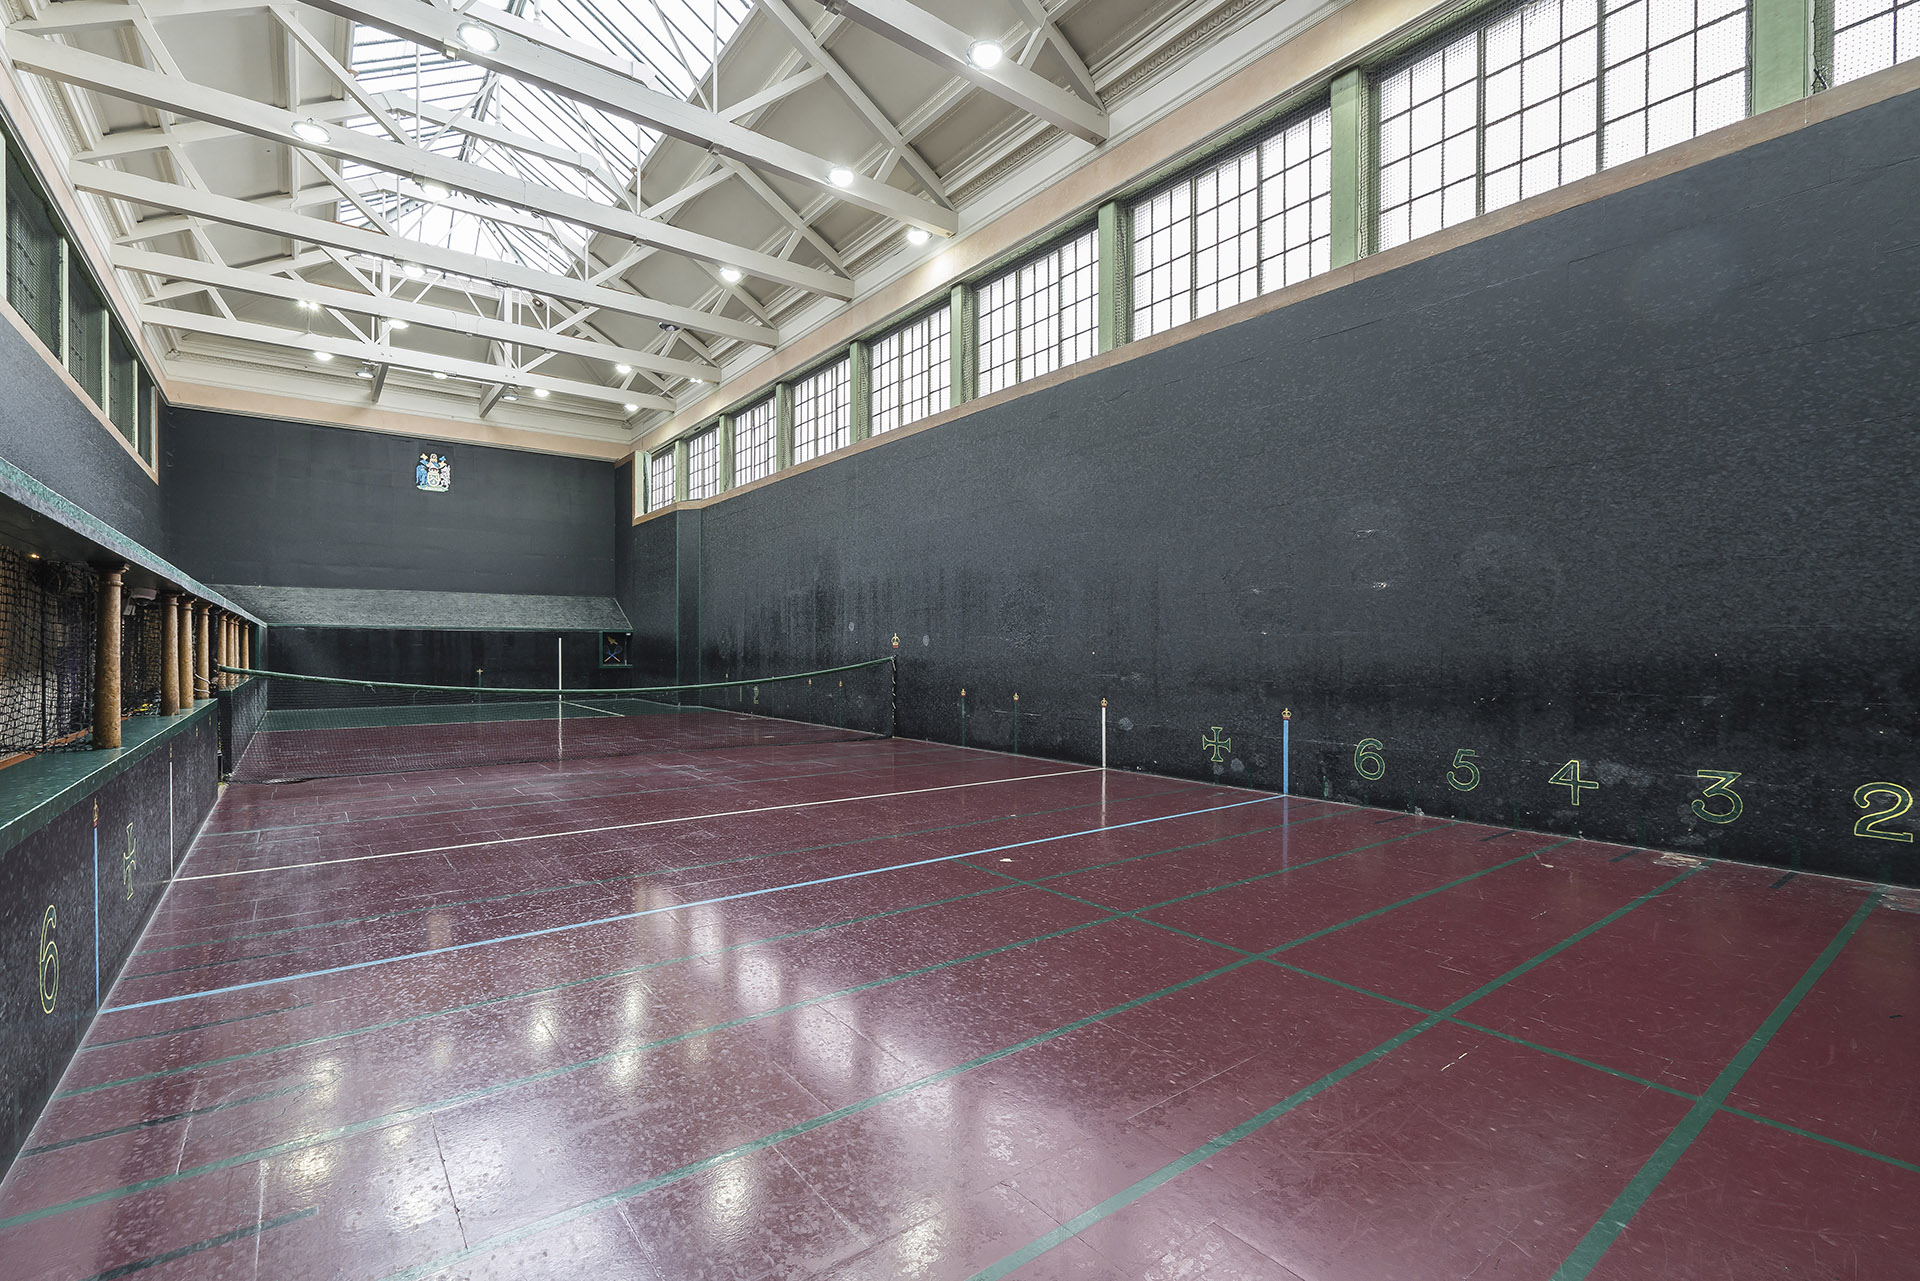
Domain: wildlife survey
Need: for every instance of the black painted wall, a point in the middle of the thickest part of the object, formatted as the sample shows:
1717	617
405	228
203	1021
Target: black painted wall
521	660
285	504
661	601
51	879
1628	486
49	433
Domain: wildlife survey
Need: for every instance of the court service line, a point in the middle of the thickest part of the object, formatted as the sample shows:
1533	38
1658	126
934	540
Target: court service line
624	827
678	907
597	711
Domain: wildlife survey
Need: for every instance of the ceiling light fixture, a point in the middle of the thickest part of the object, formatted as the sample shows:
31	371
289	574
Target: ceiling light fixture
917	236
632	409
310	130
840	176
476	37
668	327
323	356
412	270
542	392
985	54
434	191
623	369
511	396
731	275
398	324
308	304
363	372
440	375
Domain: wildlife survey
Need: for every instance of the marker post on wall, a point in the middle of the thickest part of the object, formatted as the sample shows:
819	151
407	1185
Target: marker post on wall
1103	733
1286	749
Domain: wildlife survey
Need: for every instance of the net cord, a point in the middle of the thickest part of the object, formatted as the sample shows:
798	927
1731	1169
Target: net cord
536	692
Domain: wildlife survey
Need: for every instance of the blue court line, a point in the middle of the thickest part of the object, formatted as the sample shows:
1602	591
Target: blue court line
675	907
96	911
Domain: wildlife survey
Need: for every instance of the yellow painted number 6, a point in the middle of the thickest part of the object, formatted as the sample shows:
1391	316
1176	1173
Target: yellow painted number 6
49	961
1367	761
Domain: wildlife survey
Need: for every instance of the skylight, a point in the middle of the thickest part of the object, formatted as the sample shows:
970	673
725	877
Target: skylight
575	148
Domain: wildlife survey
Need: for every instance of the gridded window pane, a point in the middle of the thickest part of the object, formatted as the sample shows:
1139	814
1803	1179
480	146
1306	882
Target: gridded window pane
33	257
753	443
660	480
86	334
1541	68
703	464
1041	316
149	410
1429	153
1163	261
1296	201
912	371
1674	70
1872	35
822	413
123	377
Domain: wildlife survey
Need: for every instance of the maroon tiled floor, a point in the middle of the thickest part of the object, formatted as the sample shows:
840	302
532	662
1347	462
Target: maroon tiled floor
928	1071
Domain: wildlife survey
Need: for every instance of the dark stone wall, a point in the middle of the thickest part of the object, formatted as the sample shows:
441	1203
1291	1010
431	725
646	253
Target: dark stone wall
1627	486
523	660
253	500
55	880
48	432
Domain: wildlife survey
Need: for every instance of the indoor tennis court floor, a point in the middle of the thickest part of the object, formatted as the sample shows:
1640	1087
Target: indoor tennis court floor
884	1009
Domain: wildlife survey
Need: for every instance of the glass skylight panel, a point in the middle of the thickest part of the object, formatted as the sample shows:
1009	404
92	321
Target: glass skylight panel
822	413
754	444
1674	70
1040	316
670	44
703	464
913	371
660	480
1872	35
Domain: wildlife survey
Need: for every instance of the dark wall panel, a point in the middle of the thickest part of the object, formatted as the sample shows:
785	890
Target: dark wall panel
57	879
1626	486
524	660
47	432
251	500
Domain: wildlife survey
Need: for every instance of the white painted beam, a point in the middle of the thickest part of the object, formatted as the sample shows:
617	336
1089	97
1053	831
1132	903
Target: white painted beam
536	55
911	27
298	227
374	353
170	267
168	93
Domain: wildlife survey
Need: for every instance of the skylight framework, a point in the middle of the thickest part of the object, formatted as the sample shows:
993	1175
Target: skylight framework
673	45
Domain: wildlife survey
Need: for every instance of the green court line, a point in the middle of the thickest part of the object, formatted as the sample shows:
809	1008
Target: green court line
353	1128
596	1204
211	1243
1180	1165
600	881
1469	1024
1603	1234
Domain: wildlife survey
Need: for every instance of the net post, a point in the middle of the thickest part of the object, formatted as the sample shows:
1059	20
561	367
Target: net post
893	695
1103	734
106	664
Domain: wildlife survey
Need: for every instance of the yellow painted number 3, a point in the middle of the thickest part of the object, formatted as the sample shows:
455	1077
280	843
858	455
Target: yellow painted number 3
1722	787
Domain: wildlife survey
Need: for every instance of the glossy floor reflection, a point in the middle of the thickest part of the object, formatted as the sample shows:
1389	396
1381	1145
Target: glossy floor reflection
664	1018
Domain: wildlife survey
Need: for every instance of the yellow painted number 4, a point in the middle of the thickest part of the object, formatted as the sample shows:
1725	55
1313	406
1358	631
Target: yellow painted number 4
1568	776
1869	824
1721	786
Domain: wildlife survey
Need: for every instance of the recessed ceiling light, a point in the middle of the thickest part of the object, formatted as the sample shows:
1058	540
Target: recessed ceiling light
310	130
730	274
632	409
434	191
699	382
412	270
440	374
307	304
398	324
623	369
985	54
363	373
840	176
917	236
510	396
476	37
541	392
323	356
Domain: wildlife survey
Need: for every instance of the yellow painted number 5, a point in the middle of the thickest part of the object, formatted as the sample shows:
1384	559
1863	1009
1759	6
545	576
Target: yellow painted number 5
1465	775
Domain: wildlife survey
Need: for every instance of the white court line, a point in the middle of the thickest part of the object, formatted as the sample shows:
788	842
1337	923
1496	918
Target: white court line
583	707
623	827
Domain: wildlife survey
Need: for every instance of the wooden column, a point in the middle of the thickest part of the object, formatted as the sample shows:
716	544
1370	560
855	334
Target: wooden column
186	653
170	654
202	688
225	657
106	664
246	645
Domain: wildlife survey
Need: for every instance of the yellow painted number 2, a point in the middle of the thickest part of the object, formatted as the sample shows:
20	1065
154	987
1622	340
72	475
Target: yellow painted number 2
1721	786
1869	824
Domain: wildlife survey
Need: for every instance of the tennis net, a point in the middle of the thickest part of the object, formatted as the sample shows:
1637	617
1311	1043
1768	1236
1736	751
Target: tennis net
331	727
